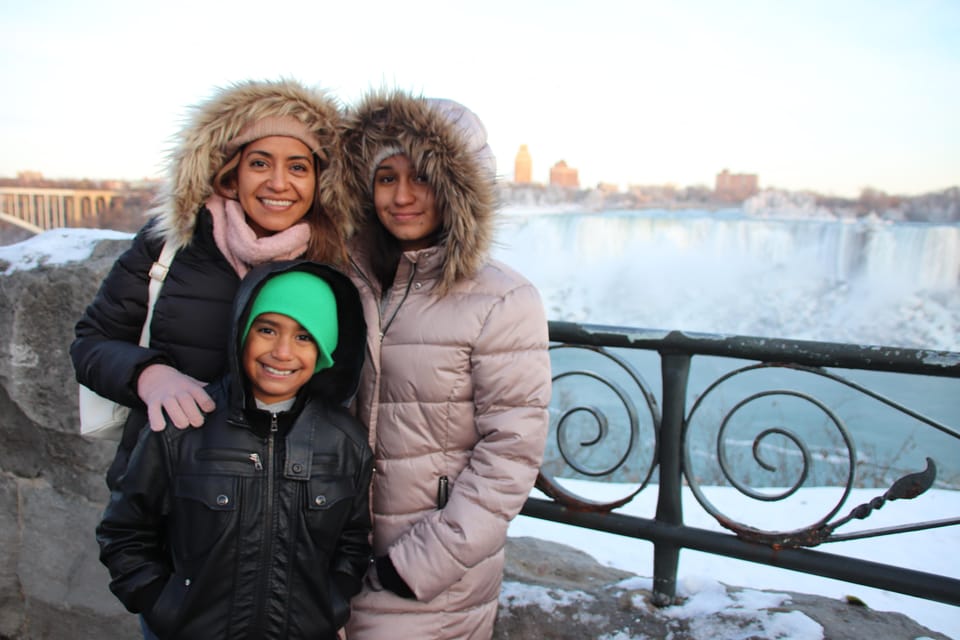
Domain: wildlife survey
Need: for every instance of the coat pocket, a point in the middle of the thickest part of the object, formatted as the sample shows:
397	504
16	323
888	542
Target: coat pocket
164	616
205	508
328	504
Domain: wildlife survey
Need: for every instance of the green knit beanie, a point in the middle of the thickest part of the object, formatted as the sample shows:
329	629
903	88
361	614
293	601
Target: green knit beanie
309	300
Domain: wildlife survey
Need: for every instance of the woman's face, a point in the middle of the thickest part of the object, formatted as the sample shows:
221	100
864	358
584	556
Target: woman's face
276	181
405	203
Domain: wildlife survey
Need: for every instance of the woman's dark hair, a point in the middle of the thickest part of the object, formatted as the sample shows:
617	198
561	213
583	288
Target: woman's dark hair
326	244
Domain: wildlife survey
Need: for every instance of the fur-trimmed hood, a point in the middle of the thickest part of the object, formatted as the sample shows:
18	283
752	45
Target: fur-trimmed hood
447	144
202	145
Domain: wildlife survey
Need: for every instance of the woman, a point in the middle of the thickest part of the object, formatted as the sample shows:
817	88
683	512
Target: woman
457	380
246	186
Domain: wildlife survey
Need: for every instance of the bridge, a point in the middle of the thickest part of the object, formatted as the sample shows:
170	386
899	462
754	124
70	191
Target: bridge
39	208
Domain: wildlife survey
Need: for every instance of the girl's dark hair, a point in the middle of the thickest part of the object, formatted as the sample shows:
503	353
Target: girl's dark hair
385	250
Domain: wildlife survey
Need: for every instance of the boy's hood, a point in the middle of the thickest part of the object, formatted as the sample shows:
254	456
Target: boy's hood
336	385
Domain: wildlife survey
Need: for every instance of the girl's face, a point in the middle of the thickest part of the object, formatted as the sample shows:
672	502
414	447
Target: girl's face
276	181
279	357
405	203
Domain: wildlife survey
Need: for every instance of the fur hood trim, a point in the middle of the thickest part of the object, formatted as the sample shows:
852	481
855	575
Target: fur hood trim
447	145
202	145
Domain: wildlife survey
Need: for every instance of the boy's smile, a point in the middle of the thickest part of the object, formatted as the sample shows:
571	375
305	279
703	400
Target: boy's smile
279	357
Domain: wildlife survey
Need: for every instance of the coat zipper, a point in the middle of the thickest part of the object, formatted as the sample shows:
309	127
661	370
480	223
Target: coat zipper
385	295
383	301
266	544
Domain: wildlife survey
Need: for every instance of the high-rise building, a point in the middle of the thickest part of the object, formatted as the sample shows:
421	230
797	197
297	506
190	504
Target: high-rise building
735	186
563	176
523	166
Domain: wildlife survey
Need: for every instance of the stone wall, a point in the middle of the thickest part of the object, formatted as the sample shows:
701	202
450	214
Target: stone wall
52	490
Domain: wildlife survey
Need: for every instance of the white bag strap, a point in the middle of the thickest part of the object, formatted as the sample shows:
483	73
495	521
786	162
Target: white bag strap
158	273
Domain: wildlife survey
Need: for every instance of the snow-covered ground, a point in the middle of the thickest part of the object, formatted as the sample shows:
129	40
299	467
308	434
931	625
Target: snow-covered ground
56	246
699	575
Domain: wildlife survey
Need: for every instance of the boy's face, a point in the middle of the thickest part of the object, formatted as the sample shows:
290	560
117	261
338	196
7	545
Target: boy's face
279	357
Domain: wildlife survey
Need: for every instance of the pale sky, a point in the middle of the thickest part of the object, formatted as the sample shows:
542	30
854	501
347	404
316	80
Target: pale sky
829	95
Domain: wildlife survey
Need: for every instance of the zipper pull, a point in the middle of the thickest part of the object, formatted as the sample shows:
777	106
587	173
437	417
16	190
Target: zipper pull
255	459
273	423
443	492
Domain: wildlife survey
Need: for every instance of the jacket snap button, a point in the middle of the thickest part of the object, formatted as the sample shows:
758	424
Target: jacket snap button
297	467
186	582
320	500
223	500
417	285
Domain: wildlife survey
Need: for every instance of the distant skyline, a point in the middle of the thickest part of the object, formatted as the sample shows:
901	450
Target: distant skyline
826	96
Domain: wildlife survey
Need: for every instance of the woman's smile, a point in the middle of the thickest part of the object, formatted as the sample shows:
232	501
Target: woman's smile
276	183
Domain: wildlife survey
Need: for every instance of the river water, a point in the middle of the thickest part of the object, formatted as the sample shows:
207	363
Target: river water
863	282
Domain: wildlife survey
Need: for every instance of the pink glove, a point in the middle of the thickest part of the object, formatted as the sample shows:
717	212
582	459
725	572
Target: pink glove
163	388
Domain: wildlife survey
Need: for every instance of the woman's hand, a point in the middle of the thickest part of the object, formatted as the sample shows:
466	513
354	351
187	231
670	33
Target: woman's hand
163	388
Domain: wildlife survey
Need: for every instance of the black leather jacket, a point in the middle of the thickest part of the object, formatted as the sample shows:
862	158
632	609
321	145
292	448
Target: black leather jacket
255	525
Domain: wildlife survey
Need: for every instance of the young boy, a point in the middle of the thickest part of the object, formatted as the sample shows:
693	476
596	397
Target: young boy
257	524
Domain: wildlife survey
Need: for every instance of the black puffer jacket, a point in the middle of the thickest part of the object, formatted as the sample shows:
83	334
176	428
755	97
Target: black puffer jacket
256	525
189	329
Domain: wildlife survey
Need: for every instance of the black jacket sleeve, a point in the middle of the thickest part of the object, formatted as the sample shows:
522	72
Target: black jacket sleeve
106	355
130	533
353	552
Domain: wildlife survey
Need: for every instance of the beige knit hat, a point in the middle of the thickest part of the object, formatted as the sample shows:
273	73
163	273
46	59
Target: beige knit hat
269	126
276	126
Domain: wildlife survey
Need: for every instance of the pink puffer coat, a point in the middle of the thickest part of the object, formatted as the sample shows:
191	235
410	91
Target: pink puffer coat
454	392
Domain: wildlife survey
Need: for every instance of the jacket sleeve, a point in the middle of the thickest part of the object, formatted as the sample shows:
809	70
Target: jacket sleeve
512	386
105	351
351	558
130	534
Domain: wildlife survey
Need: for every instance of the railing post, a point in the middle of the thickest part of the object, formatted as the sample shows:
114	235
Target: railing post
674	373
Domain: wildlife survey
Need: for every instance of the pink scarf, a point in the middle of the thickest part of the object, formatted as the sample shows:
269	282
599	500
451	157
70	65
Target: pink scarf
239	243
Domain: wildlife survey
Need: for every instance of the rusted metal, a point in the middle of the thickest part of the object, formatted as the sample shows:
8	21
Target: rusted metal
574	502
906	488
675	372
791	549
774	350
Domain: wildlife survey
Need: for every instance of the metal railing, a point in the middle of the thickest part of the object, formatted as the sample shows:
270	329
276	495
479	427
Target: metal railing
613	439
